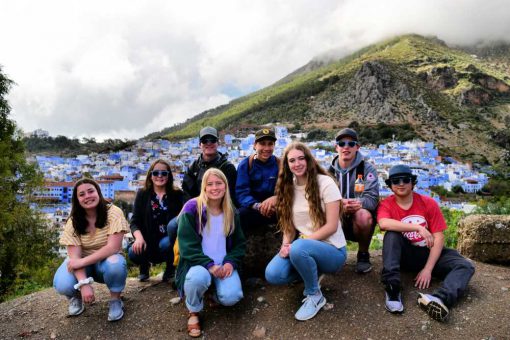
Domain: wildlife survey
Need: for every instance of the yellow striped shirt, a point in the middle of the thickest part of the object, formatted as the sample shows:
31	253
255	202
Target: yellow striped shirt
115	223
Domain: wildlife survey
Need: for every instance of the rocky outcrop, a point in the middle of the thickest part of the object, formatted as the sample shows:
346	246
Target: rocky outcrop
485	238
261	247
440	78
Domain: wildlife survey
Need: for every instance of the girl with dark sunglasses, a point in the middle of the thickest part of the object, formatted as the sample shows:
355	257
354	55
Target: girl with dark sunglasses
154	221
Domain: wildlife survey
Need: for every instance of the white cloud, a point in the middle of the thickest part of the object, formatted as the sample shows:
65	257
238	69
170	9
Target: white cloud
123	69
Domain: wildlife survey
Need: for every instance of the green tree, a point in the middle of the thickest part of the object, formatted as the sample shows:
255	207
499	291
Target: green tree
26	243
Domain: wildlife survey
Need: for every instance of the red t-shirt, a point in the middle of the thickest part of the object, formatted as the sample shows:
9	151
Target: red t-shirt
424	211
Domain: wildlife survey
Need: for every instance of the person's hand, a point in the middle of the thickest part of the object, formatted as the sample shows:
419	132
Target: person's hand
427	236
139	245
87	293
351	205
423	279
73	264
228	269
284	250
268	206
216	271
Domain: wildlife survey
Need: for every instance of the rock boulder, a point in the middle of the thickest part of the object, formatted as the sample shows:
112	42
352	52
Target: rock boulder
485	238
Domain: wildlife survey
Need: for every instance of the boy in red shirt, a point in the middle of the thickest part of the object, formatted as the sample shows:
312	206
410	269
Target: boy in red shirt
414	241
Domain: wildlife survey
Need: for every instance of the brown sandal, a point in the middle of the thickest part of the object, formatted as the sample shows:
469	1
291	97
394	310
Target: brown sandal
194	330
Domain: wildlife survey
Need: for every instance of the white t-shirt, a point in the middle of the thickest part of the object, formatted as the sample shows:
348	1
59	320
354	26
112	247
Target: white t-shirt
329	192
214	241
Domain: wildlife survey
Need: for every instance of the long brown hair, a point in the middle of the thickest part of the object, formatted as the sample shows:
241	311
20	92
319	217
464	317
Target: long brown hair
78	215
285	190
226	204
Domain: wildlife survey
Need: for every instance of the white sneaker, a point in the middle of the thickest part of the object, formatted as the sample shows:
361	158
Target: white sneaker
312	304
76	306
434	306
116	311
393	301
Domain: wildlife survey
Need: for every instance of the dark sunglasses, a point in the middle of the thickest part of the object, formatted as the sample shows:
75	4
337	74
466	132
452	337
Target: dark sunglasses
351	143
400	180
162	173
209	140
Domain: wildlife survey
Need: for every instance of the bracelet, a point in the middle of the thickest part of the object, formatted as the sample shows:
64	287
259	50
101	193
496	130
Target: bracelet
256	206
87	281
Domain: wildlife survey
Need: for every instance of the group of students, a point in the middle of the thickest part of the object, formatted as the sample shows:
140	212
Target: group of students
219	207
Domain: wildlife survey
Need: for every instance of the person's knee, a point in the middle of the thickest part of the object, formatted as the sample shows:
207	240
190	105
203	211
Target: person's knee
230	297
197	276
363	221
115	266
64	286
298	248
272	274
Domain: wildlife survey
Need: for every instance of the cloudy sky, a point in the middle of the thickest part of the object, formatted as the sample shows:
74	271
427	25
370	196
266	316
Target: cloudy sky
123	69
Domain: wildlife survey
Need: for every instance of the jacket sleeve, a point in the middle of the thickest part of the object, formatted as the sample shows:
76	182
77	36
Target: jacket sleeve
190	243
188	183
370	198
138	212
243	190
231	173
238	250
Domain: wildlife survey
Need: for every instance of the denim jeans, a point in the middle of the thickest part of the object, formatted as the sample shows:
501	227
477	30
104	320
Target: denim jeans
307	258
112	271
164	253
454	269
198	280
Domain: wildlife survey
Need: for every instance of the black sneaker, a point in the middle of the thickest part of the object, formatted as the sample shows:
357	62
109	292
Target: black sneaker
393	301
363	264
144	273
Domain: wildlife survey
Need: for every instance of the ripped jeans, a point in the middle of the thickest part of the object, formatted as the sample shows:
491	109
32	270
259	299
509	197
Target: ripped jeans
112	271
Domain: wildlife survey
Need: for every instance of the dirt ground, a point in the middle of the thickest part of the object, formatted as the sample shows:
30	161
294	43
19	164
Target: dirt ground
355	311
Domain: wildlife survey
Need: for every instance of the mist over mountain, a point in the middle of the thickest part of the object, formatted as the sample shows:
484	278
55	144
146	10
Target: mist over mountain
456	96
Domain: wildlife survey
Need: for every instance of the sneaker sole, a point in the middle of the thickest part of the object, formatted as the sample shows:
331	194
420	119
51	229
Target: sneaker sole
435	310
116	319
79	312
363	271
319	307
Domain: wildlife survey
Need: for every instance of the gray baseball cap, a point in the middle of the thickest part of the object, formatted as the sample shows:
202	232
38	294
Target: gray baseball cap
208	131
346	133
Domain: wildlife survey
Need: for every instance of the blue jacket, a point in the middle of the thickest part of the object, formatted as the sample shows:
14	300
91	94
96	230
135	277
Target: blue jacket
256	184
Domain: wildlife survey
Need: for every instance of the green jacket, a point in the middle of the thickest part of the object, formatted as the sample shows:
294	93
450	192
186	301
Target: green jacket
190	243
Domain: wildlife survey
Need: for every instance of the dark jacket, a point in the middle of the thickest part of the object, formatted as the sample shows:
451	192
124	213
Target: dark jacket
193	177
190	243
346	179
256	184
142	216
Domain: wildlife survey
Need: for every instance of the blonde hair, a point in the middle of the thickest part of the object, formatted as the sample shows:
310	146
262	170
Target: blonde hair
226	204
285	190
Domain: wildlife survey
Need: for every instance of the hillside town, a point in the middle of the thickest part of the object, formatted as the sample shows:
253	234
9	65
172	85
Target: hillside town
120	174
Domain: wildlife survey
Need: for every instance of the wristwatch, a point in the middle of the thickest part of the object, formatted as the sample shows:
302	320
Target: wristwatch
87	281
256	206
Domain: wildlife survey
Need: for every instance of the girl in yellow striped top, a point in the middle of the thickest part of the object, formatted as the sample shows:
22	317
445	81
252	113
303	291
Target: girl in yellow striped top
93	235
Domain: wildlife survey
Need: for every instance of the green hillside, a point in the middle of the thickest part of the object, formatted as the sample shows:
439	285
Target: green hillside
448	95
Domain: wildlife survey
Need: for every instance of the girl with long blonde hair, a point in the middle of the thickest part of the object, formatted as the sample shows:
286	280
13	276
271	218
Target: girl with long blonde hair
211	246
308	206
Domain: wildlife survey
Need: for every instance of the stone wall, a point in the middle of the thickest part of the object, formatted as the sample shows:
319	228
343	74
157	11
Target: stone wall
485	238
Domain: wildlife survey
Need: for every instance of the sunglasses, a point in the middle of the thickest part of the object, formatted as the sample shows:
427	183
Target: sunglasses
162	173
209	140
350	143
400	180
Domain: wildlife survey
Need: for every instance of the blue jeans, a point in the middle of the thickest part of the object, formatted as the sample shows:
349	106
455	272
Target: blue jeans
164	252
198	280
306	259
112	271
